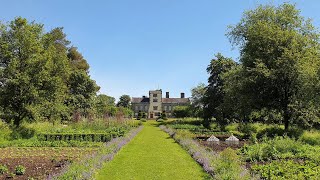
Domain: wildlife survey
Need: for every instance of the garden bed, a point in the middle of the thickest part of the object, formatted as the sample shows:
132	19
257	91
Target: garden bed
39	162
221	145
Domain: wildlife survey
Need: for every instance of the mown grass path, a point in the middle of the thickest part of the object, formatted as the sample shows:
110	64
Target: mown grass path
152	154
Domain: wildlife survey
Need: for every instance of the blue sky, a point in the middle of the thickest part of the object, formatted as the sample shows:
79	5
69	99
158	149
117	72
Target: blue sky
133	46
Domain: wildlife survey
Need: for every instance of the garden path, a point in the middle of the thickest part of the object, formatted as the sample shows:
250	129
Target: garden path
152	154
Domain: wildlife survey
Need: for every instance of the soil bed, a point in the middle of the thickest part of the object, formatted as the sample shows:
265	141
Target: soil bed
36	167
221	145
39	162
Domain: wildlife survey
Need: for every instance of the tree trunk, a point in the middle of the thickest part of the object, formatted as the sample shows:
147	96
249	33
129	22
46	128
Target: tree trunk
286	119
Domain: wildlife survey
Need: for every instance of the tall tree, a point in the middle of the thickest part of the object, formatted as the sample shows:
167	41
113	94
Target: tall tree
82	90
214	96
124	101
197	99
76	59
32	72
280	57
103	104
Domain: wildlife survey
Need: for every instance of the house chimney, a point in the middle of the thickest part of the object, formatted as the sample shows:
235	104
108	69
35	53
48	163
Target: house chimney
182	95
167	95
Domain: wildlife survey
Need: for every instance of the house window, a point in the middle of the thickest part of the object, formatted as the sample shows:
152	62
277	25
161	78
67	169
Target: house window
141	108
155	108
157	114
155	100
145	108
155	95
165	108
170	108
137	108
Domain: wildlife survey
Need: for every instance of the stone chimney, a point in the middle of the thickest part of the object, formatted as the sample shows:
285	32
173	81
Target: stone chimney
167	95
182	95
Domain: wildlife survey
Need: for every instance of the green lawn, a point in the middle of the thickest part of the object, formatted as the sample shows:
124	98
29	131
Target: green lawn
152	154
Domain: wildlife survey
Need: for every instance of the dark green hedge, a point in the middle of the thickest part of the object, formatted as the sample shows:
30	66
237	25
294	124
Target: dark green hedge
91	137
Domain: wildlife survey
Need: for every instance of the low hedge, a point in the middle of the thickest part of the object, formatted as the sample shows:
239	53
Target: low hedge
91	137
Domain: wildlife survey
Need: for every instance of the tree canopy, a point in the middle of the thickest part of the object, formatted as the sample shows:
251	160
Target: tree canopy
41	77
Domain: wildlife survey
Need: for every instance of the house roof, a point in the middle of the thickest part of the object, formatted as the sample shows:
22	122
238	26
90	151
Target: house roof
139	100
175	100
164	100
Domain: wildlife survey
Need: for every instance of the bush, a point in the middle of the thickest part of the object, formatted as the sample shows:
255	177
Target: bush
181	111
272	132
20	170
139	115
280	148
3	169
288	169
160	120
164	116
311	137
228	165
144	115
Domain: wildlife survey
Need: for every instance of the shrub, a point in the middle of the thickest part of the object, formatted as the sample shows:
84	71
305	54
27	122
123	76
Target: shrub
143	120
160	120
139	115
280	148
311	137
272	132
228	165
3	169
288	169
144	115
164	116
20	170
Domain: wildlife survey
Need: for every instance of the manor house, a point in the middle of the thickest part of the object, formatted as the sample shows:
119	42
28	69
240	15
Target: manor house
154	105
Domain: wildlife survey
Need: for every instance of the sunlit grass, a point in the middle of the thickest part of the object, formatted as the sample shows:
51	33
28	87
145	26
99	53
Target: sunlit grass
152	155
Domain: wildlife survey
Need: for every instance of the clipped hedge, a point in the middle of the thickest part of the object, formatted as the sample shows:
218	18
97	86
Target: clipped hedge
91	137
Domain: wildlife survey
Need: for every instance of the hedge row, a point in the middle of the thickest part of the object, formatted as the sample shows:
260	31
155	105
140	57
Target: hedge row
91	137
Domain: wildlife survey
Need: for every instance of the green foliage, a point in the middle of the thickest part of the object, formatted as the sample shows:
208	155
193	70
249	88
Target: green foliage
214	96
181	111
124	101
81	90
163	116
311	137
280	148
228	165
3	169
139	115
288	169
41	77
33	75
103	104
20	170
280	64
197	100
144	115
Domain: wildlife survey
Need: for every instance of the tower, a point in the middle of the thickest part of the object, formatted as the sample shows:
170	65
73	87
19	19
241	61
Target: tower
155	105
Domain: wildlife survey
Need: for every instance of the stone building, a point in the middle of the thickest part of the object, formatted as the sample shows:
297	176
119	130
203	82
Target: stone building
155	104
